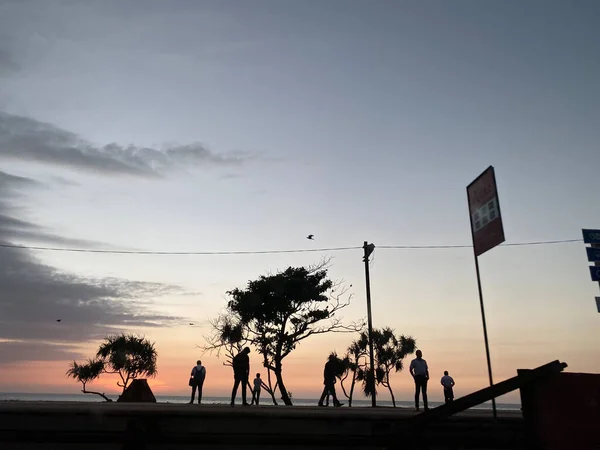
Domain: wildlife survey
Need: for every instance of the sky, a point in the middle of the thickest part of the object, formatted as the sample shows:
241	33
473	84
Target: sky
200	126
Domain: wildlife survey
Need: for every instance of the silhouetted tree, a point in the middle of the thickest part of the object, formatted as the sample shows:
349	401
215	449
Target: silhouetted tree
86	373
354	359
389	353
279	311
229	337
389	350
127	355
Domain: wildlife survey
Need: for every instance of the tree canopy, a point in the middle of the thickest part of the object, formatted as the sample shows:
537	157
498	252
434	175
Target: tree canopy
127	355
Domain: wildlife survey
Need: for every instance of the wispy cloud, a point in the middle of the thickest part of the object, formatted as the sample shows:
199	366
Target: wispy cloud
7	63
35	295
13	228
26	139
17	351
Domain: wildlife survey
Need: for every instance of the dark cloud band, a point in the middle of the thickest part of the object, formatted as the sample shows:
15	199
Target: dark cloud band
34	296
26	139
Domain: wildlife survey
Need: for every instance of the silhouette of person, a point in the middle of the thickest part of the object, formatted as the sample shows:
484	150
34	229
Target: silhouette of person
256	390
329	374
241	373
197	382
448	383
420	373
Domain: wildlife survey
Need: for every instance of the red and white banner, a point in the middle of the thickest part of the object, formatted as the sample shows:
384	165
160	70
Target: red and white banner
484	208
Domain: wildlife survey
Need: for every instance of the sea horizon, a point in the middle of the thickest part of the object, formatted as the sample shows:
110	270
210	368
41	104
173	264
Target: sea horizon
216	400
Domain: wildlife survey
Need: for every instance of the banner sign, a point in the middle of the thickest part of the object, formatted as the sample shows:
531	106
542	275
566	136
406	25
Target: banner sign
484	208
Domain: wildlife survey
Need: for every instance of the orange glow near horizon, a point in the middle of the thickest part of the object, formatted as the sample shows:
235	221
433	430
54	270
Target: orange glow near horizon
302	372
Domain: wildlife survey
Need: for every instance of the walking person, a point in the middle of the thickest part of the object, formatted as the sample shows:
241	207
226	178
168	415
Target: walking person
256	390
420	373
241	373
197	380
448	383
329	374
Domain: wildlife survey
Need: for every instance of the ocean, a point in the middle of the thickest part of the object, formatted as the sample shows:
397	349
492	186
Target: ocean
359	403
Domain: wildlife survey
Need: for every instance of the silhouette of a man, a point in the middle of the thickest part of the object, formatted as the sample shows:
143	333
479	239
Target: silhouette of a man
420	373
329	374
448	383
241	373
198	375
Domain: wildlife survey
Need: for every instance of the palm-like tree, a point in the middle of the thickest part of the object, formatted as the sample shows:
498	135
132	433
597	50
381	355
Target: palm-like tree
353	363
85	373
127	355
389	353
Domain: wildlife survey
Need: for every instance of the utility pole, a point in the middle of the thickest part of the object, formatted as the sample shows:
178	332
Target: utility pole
485	335
368	249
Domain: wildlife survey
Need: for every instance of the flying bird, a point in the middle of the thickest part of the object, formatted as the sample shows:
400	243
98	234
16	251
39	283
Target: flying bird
58	320
191	323
311	237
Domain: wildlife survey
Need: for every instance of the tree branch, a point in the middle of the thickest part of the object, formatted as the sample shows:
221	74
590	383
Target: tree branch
93	392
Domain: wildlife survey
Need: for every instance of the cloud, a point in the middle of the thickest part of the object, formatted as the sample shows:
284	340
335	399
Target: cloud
7	64
10	182
26	139
35	295
12	228
18	351
61	181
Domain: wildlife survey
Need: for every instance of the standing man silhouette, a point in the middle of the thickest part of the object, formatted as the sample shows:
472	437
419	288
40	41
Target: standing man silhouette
241	373
448	383
420	373
197	380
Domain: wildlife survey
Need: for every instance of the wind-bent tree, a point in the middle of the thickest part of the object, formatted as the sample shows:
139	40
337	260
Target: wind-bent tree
127	355
279	311
86	373
390	350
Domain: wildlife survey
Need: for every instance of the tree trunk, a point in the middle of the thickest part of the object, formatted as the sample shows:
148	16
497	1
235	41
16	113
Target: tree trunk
352	389
392	394
284	394
272	394
272	389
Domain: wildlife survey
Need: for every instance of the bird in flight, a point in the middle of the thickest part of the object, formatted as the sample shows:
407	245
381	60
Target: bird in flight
191	323
311	237
58	320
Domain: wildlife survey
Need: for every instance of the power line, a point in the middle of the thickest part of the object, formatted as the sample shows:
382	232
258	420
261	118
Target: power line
270	252
148	252
509	244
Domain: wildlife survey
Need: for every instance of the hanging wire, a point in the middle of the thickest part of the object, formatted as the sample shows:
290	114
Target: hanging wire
270	252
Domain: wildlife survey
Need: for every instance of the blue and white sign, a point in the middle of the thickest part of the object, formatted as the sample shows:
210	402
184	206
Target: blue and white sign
593	254
595	272
591	236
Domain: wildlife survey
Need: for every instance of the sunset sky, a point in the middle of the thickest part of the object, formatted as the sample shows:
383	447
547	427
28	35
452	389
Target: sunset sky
205	126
